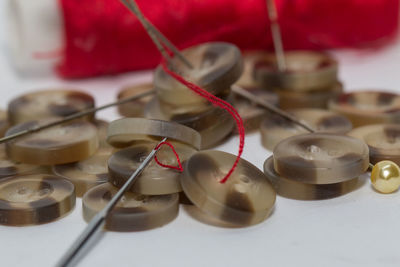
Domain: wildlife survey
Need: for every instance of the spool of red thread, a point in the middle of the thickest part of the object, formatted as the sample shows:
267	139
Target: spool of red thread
88	38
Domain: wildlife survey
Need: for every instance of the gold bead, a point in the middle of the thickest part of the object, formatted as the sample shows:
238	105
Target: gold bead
385	176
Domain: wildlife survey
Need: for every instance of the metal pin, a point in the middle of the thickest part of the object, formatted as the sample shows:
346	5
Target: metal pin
276	35
155	34
99	220
74	116
240	91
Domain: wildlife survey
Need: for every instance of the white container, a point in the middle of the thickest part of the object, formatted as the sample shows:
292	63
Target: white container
35	34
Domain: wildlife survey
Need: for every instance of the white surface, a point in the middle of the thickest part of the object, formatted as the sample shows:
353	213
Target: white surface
358	229
34	27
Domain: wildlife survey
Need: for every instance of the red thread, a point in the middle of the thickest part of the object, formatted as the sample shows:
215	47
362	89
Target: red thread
219	103
102	37
179	168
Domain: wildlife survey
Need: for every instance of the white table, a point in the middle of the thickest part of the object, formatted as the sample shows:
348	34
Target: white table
361	228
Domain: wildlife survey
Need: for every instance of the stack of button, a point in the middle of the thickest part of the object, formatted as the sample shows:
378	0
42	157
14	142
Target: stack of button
216	66
29	192
153	200
309	81
317	166
275	128
42	173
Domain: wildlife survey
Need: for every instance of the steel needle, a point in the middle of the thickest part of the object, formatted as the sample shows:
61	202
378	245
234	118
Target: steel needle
97	223
276	35
74	116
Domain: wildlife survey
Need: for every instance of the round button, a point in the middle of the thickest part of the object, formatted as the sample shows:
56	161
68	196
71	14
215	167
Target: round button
48	104
85	174
11	168
275	128
321	158
60	144
154	180
368	107
297	190
216	66
124	132
4	125
383	141
134	108
250	59
313	99
102	129
246	198
306	71
34	199
134	212
212	123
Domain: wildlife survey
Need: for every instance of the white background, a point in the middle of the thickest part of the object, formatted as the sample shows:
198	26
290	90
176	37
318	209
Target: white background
361	228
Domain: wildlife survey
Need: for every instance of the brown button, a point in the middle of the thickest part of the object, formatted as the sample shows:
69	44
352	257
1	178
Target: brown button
134	108
321	158
11	168
124	132
4	125
212	123
312	99
246	198
274	128
35	199
87	173
48	104
290	188
134	212
383	141
368	107
306	71
154	180
216	66
60	144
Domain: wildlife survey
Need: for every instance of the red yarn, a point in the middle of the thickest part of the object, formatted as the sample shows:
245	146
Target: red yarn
102	36
179	168
216	102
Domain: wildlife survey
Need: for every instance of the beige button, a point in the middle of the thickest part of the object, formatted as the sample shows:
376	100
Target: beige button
274	128
124	132
290	188
134	108
46	104
134	212
154	180
246	198
216	66
306	71
368	107
60	144
35	199
321	158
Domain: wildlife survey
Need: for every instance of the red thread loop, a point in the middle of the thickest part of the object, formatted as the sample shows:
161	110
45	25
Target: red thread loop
216	102
179	168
